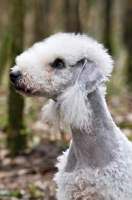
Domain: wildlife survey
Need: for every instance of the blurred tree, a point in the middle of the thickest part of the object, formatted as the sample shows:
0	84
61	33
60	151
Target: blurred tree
5	29
4	50
107	28
73	23
41	25
128	40
16	138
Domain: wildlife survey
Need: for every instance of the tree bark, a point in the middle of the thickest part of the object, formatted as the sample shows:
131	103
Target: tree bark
128	41
73	23
41	25
4	50
107	30
16	137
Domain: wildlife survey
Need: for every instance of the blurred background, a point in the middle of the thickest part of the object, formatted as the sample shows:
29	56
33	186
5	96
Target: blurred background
28	147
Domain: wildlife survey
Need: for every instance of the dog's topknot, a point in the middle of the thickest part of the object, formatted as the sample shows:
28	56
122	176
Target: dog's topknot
71	48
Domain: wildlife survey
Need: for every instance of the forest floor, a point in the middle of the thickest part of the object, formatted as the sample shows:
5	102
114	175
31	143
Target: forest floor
29	175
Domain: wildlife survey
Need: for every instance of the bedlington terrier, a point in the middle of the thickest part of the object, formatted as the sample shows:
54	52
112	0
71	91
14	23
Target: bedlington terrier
71	70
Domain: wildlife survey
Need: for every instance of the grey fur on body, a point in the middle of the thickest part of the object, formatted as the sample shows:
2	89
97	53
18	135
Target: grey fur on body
95	147
98	164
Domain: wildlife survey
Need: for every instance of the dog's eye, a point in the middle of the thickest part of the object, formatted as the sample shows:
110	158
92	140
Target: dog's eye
58	63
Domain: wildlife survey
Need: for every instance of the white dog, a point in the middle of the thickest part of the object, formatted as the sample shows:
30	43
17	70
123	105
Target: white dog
70	70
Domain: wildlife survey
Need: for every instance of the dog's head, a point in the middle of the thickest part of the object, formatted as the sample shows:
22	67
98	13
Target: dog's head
50	66
65	67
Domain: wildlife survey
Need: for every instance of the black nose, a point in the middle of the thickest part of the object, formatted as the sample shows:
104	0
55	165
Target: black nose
15	76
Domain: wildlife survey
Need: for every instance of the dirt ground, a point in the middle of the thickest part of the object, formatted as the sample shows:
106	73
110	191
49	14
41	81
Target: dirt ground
29	175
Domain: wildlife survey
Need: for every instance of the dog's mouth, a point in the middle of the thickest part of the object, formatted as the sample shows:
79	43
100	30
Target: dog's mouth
23	91
29	92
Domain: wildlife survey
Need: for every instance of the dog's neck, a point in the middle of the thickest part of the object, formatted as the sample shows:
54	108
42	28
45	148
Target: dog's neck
95	147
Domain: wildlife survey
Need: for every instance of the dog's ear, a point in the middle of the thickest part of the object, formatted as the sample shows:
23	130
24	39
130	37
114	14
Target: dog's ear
87	74
75	108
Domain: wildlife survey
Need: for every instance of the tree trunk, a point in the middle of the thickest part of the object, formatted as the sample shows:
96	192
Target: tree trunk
128	41
107	30
4	50
16	138
41	25
73	23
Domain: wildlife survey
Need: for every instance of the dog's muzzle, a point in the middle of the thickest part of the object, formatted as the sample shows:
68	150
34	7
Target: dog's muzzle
15	76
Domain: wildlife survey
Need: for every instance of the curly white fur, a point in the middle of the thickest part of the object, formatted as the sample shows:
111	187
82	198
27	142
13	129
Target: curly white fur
82	117
50	113
64	109
69	47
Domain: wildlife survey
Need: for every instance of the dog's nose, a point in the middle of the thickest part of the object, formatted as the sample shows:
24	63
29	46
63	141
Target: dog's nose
15	76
